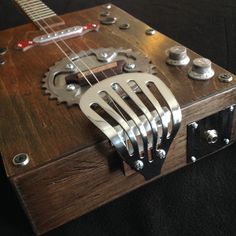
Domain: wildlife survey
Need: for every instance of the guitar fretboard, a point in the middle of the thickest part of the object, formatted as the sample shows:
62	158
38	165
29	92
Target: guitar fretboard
39	13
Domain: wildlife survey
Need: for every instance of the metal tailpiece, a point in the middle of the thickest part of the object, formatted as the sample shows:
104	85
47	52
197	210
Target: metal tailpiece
138	126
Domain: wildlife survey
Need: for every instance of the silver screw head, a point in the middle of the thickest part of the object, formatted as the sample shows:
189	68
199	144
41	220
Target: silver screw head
70	66
21	159
2	62
70	87
138	165
231	108
130	66
105	13
226	141
194	125
193	159
103	54
107	6
161	153
225	77
150	31
124	26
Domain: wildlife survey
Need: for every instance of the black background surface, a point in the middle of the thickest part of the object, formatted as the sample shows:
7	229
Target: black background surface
197	200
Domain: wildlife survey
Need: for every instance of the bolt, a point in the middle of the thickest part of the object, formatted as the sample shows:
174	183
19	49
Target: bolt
161	153
138	165
2	62
193	158
150	31
225	77
105	13
194	125
21	159
3	51
130	66
70	66
226	141
70	87
231	108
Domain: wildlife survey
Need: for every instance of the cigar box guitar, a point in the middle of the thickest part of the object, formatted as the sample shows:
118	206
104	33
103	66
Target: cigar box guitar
96	103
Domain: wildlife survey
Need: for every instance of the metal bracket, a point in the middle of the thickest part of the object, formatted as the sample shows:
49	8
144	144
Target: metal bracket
210	134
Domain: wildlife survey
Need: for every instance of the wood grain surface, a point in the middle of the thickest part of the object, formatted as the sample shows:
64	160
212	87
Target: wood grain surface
73	169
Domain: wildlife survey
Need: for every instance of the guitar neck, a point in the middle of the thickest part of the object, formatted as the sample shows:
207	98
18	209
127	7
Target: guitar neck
40	14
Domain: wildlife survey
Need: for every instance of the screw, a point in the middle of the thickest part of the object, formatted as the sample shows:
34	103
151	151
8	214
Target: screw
138	165
130	66
3	51
70	66
226	141
231	108
225	77
161	153
124	26
2	62
70	87
150	31
103	55
194	125
21	159
107	6
105	13
193	158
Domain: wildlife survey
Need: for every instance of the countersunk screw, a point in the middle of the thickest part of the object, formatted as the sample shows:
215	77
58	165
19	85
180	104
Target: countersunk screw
194	125
21	159
226	141
231	108
103	55
138	165
193	158
150	31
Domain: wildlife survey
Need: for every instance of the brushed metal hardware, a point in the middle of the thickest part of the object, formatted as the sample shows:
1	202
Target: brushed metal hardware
177	56
150	31
109	20
225	77
201	69
21	159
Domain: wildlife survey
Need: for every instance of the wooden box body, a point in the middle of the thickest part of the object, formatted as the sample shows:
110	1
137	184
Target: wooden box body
73	169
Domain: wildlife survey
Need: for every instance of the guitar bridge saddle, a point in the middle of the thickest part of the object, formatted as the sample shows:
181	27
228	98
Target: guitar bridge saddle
138	126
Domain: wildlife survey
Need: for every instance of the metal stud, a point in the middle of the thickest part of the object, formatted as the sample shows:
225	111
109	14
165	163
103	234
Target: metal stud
129	66
193	159
107	6
150	31
124	26
231	108
194	125
109	21
21	159
70	87
138	165
225	77
226	141
69	66
105	13
161	153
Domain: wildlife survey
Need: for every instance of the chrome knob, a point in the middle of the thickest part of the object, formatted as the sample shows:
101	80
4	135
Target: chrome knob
211	136
201	69
177	56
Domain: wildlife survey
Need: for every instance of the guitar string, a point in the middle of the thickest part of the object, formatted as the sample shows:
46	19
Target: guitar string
117	108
